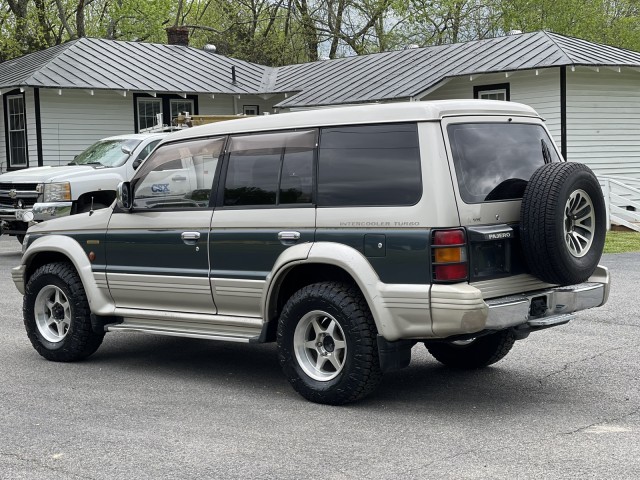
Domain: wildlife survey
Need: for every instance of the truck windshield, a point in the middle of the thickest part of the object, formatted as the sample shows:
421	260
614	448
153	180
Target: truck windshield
494	161
108	153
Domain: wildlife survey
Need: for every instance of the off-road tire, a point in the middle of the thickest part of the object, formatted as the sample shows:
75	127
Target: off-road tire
543	221
80	340
481	352
360	373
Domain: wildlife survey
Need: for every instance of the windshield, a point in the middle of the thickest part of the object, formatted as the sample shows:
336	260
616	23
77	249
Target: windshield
494	161
107	153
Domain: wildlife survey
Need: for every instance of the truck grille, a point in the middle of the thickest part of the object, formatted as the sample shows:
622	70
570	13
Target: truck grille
18	195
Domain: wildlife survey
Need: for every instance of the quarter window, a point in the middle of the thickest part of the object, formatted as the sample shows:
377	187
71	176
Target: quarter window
270	169
179	175
17	131
369	165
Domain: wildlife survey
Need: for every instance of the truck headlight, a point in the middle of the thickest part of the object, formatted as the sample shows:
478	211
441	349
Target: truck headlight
57	192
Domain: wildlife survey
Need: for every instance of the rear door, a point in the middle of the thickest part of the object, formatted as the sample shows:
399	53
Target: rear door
265	205
491	161
157	254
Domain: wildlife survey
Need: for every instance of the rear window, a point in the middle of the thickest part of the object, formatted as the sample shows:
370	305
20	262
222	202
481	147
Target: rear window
494	161
369	165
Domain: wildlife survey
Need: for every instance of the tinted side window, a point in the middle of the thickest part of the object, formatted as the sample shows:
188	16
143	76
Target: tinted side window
270	169
494	161
178	175
369	165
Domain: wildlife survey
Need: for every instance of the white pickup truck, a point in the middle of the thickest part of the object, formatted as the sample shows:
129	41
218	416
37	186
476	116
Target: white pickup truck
88	182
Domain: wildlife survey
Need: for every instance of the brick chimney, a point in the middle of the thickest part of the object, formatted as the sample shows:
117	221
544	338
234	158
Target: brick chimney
178	36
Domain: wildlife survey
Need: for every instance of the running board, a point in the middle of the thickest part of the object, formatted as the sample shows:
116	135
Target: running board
212	327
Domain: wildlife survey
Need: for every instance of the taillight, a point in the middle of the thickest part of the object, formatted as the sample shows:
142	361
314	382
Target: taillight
449	255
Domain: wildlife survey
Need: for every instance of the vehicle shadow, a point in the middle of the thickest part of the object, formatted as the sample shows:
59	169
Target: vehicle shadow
423	386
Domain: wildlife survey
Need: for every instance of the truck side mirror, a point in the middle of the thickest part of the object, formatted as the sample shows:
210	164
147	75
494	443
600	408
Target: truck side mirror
124	196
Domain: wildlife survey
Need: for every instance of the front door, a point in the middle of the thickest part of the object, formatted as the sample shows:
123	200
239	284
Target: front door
157	254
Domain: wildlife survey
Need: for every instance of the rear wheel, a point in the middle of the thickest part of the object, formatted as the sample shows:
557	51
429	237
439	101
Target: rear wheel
57	315
476	353
327	344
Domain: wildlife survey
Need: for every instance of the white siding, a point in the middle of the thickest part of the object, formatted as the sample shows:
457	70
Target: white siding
74	120
32	137
224	104
542	92
3	146
603	120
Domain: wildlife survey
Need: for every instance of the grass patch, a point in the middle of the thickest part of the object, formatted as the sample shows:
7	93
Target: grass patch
622	242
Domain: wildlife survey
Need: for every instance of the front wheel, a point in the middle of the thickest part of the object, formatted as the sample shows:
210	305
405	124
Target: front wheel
327	344
57	316
475	353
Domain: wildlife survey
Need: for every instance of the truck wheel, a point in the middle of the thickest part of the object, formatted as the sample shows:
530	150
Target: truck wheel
57	315
477	353
327	344
563	223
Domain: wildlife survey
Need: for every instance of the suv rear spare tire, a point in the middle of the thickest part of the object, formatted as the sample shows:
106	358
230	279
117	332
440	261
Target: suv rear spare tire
563	223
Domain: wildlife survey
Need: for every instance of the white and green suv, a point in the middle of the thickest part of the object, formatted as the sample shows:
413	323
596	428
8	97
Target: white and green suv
345	235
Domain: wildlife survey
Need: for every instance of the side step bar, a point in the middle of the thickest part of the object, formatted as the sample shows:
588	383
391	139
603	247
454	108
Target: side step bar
188	333
212	327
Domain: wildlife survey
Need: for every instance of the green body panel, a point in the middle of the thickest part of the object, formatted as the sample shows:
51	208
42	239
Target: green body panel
249	253
156	252
404	257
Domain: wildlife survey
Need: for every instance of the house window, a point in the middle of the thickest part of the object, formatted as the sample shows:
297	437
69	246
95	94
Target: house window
16	130
251	109
492	92
148	108
169	105
179	106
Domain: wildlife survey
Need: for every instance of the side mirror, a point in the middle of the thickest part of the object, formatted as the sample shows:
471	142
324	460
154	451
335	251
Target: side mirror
126	149
124	197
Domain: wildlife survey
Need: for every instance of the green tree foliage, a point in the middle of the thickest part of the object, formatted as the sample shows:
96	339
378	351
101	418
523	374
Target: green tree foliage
278	32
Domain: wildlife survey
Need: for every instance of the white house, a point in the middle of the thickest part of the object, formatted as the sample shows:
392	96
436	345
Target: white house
58	101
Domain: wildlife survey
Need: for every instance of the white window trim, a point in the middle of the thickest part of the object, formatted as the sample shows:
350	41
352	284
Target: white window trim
173	101
23	130
149	100
483	93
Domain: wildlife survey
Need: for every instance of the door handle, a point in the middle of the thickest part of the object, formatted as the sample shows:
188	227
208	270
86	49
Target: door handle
178	178
287	238
190	238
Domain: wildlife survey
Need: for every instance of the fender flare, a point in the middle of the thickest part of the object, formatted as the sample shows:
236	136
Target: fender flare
328	253
100	301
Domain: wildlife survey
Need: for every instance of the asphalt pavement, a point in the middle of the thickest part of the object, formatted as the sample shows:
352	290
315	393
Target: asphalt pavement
564	404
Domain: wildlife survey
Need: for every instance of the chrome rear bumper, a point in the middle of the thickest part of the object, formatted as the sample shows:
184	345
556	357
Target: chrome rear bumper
461	309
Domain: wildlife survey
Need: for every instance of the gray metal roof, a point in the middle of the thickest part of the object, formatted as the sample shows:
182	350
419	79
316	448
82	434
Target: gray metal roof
91	63
407	73
107	64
